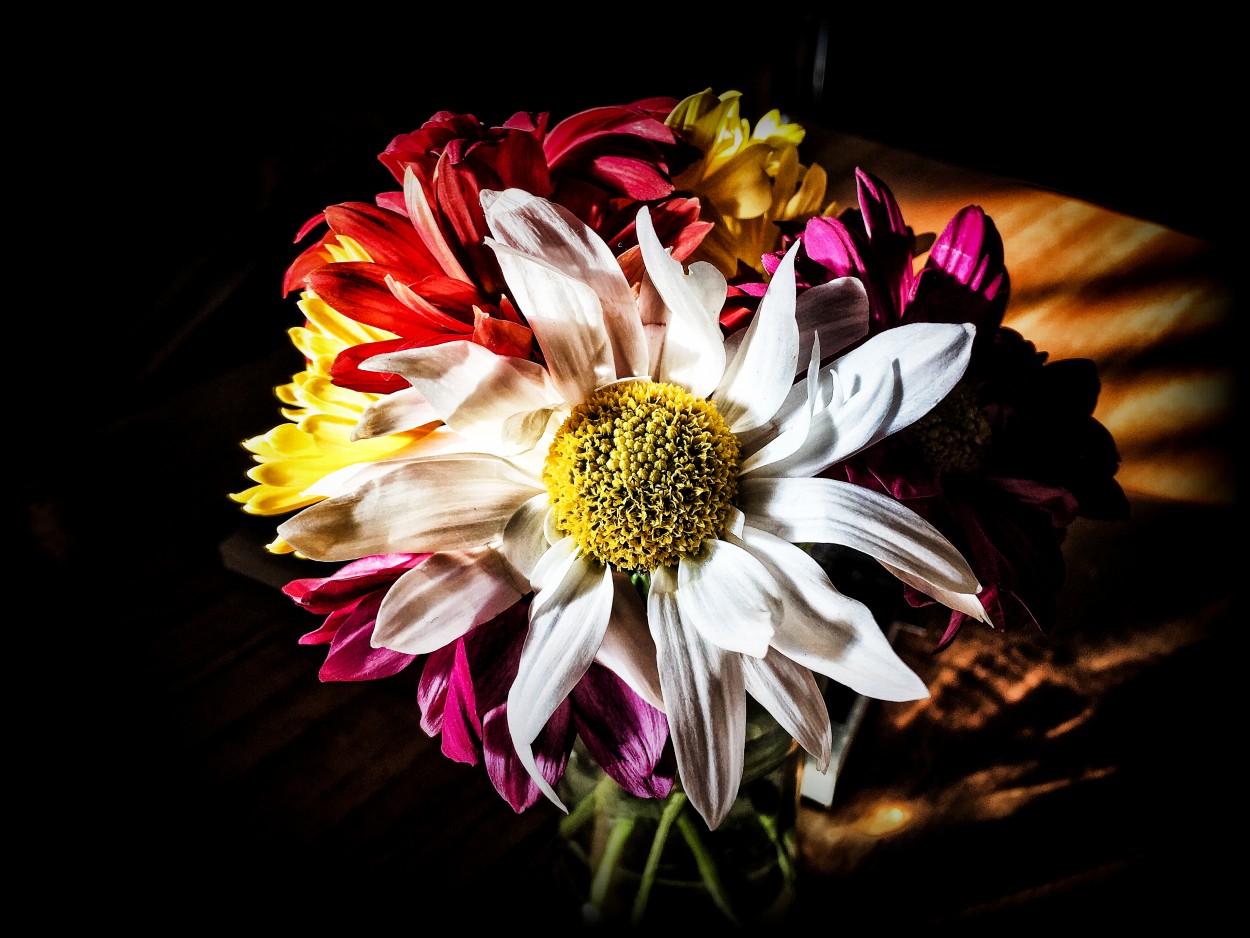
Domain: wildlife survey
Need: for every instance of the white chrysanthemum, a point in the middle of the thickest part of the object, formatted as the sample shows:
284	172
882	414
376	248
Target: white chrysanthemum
649	444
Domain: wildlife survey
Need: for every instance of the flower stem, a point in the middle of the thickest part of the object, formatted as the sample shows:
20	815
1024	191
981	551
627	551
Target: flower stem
621	829
672	807
783	854
707	867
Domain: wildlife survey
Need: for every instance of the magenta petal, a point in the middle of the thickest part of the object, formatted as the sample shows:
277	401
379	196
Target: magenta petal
828	242
503	766
352	658
461	726
350	582
893	244
432	688
623	733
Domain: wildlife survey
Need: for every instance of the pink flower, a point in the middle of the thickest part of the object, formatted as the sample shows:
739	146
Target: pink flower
349	599
464	687
463	696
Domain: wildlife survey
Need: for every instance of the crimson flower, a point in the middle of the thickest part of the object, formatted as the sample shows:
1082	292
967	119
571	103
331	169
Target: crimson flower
1013	455
426	274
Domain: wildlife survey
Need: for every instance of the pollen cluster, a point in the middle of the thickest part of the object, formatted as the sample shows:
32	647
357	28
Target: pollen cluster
642	473
953	435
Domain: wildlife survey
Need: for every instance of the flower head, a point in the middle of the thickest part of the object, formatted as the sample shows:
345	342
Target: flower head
749	180
646	446
1013	455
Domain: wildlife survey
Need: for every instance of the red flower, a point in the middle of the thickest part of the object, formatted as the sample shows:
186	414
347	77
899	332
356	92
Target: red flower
430	277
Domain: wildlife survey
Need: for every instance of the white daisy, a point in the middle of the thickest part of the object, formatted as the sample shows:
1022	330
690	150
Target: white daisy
649	445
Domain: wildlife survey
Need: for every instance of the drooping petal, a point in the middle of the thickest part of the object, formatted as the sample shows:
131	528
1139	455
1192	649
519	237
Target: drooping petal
759	377
706	696
351	657
828	632
729	597
628	648
437	602
828	511
509	772
567	622
624	734
394	513
460	723
967	603
790	693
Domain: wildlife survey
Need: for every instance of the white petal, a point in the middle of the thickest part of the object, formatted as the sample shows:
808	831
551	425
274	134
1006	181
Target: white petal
524	537
836	311
435	504
490	398
828	511
729	597
967	603
791	434
694	350
542	229
761	373
840	428
928	357
827	632
706	696
792	696
439	600
567	319
567	622
401	410
628	648
904	371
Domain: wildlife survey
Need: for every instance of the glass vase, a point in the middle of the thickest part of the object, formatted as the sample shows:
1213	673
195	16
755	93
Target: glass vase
632	860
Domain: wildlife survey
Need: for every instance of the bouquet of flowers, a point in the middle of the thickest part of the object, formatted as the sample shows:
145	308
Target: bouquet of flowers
580	396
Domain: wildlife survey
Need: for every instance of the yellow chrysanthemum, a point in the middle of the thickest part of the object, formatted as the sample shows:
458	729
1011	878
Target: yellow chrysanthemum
317	439
748	180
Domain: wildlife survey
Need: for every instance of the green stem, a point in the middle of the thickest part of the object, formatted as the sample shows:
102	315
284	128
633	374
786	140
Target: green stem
672	807
584	811
707	867
783	855
621	829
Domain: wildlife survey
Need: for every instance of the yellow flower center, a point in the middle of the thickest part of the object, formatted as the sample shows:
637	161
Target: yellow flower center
642	473
954	434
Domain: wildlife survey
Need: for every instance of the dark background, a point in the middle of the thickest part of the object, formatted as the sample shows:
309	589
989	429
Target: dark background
234	135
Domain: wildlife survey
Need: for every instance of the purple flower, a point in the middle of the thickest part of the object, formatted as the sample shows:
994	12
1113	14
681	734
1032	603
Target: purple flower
1013	455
